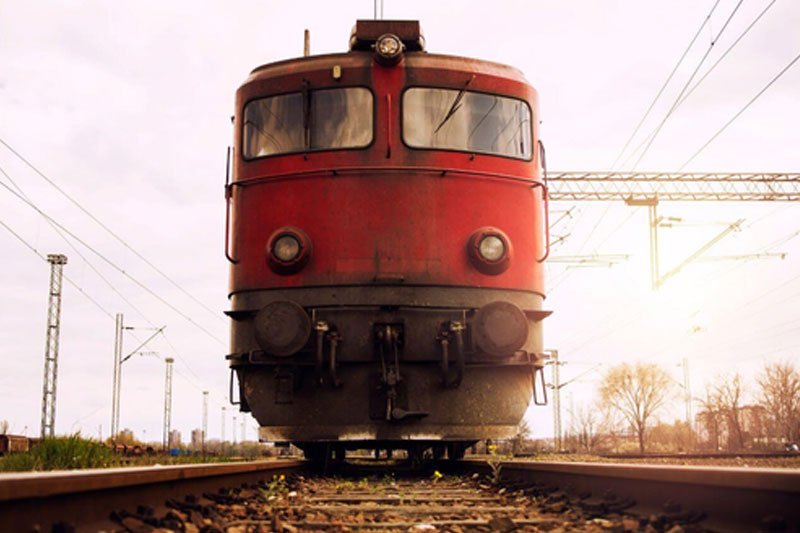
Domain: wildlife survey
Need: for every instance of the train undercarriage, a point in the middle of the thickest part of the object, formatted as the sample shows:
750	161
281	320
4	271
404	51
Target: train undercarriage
414	368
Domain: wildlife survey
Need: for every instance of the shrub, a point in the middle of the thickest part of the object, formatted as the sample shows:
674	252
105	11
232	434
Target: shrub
61	453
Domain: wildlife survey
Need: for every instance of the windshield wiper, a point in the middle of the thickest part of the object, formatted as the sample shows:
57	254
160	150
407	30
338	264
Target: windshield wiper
455	106
306	94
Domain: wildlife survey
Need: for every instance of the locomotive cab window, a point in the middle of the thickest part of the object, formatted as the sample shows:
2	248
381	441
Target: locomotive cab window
451	119
323	119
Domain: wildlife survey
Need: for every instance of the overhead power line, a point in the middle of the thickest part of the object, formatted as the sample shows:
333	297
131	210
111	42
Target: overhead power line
726	52
707	73
110	231
78	252
674	105
112	264
742	110
664	86
110	315
44	258
83	292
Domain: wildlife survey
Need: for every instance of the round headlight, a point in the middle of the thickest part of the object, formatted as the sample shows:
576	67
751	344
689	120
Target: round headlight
286	248
492	248
389	48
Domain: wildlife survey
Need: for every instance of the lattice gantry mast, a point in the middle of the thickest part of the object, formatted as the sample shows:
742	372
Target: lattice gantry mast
57	262
117	385
648	189
674	186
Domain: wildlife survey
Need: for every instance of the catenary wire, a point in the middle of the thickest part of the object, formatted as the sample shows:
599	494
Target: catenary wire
674	105
716	276
82	256
56	226
43	258
738	114
727	51
567	271
99	306
658	95
664	86
696	85
109	231
622	319
114	265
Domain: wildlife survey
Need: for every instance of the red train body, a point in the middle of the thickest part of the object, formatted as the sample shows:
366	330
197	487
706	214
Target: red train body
386	231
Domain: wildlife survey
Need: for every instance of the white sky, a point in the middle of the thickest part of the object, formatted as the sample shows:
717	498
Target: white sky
126	106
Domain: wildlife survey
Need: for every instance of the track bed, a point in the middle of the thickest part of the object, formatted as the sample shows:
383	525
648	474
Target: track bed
365	495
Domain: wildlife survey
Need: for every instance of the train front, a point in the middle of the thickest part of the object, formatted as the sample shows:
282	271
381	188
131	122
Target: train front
386	236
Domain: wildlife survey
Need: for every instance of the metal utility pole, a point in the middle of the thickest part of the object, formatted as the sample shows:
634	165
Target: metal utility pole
116	395
687	391
57	262
700	251
205	418
118	327
223	425
233	430
557	385
168	402
654	222
556	399
244	434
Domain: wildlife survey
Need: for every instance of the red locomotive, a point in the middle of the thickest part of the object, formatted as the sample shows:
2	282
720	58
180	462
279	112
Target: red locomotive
387	227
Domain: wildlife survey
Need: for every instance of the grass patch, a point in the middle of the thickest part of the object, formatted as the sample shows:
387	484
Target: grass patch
61	453
74	452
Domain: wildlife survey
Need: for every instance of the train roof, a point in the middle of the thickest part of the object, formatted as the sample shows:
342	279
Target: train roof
361	55
363	59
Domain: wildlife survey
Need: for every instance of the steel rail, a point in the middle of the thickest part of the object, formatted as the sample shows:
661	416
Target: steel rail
701	455
731	498
84	499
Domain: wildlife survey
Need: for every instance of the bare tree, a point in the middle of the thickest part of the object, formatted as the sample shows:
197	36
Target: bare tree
3	427
728	393
710	419
780	395
585	426
523	434
612	430
637	392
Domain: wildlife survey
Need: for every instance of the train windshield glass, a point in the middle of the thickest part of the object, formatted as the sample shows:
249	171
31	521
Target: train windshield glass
314	120
466	121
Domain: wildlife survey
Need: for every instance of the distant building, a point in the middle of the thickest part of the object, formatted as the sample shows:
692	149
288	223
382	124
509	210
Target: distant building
125	436
174	438
197	439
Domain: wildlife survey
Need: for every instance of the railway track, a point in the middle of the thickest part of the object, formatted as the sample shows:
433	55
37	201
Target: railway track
708	455
289	496
713	498
84	500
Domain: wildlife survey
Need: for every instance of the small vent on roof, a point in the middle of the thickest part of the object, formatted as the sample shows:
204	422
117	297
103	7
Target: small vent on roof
366	32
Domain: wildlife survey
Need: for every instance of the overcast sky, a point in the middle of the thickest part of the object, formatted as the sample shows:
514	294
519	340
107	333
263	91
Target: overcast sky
126	107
